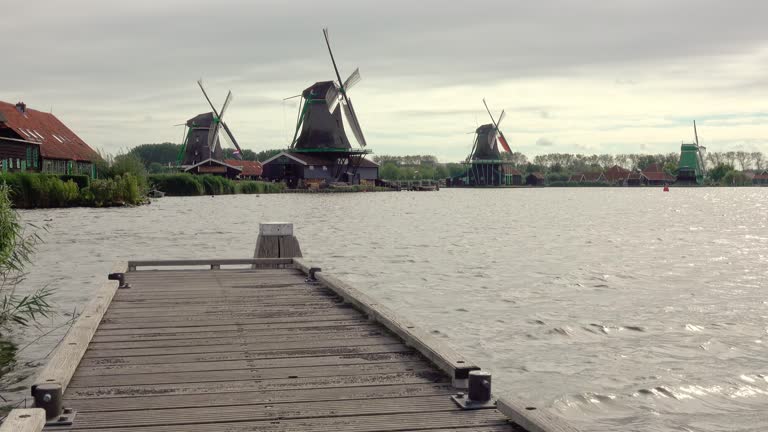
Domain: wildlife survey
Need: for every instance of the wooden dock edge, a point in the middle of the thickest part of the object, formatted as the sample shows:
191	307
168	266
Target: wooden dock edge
444	357
71	349
24	420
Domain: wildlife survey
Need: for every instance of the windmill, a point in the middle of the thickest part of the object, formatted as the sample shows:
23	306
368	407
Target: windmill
203	133
691	168
320	128
484	164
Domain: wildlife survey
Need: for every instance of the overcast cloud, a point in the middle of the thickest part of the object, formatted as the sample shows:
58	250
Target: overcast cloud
589	76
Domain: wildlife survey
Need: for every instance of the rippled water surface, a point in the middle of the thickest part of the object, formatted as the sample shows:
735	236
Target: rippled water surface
626	309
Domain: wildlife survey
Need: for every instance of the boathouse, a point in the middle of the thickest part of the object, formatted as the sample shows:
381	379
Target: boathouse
301	169
535	179
32	140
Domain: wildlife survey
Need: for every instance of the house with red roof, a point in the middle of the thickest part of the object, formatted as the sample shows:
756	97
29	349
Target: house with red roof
760	178
250	169
655	175
32	140
616	175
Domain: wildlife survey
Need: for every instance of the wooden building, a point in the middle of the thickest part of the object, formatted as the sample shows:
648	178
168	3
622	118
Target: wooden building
616	175
760	178
214	167
535	179
32	140
250	170
300	169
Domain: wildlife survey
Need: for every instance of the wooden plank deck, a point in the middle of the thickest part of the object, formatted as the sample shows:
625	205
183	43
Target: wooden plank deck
259	350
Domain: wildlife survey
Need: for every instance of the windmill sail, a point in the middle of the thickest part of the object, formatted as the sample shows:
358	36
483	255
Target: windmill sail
352	80
354	124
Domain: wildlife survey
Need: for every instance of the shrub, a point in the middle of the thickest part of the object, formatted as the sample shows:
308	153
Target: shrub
177	184
81	180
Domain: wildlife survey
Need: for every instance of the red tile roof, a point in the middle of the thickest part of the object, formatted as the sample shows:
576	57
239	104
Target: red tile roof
616	173
658	176
594	177
653	168
56	140
250	168
763	176
510	171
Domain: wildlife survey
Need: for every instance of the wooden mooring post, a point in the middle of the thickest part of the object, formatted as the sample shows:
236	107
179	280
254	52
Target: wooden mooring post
245	342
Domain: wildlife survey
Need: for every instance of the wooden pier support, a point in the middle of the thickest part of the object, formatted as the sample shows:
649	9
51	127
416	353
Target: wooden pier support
276	240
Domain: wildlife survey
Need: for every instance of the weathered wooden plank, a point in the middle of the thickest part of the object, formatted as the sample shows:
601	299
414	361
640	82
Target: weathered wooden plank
532	418
273	411
420	377
67	355
251	355
235	315
252	398
256	347
298	372
125	324
252	331
134	265
24	420
246	337
240	309
290	362
369	423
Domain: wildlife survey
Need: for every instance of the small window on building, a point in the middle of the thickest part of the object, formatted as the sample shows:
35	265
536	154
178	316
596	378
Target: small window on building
311	167
58	139
325	168
18	163
37	134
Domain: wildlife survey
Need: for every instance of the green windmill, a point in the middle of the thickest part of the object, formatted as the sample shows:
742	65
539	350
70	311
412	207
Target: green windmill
692	168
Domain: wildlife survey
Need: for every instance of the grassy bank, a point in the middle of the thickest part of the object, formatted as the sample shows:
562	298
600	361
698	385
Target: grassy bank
31	190
195	185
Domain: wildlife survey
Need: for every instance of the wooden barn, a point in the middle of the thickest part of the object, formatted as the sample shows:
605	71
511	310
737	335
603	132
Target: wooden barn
214	167
299	169
32	140
535	179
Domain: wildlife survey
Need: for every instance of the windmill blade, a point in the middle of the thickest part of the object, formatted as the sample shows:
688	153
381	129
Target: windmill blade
489	113
200	83
474	147
503	142
224	107
501	117
332	98
352	80
696	133
213	135
354	124
232	138
502	139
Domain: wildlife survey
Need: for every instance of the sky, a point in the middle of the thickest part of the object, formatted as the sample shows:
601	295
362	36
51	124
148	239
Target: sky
598	76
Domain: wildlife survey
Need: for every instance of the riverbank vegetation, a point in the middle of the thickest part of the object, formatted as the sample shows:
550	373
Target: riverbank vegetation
732	168
183	184
16	248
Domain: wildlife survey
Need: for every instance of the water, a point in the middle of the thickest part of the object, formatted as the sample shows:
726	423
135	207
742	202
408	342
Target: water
626	309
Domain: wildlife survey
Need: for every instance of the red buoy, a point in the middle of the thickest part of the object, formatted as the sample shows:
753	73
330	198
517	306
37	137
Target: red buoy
666	188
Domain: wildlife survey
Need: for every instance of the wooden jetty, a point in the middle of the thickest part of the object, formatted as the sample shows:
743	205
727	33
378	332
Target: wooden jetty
261	344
